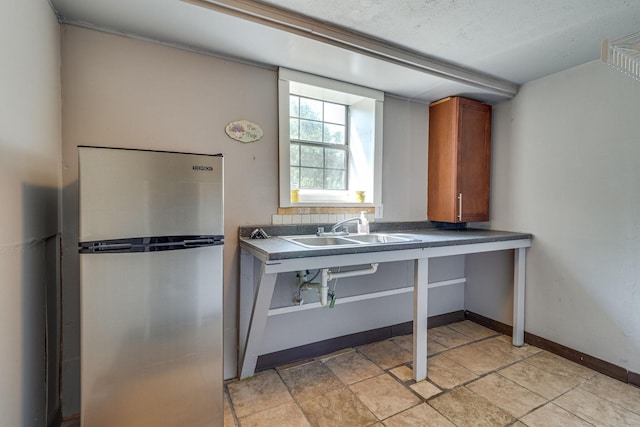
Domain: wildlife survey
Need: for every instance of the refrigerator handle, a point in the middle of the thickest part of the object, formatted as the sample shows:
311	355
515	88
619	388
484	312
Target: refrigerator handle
198	242
100	247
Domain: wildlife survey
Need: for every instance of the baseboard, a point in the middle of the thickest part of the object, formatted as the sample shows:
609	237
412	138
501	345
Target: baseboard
634	378
576	356
309	351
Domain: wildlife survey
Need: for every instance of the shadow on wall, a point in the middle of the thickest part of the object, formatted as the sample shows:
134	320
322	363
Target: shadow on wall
40	305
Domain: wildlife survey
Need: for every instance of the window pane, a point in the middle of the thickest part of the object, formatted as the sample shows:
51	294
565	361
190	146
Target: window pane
334	113
334	134
311	178
310	109
311	156
294	154
295	177
334	158
294	106
310	131
335	180
294	129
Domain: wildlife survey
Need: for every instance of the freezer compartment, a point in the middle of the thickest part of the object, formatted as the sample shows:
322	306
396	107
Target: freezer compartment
151	346
130	193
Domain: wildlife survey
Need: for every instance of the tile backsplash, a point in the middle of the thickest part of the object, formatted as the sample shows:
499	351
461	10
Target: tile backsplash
278	219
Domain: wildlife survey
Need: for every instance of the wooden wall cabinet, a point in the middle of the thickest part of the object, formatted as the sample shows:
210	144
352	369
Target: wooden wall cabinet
459	160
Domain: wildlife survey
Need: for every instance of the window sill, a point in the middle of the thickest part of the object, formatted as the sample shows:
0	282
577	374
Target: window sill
315	208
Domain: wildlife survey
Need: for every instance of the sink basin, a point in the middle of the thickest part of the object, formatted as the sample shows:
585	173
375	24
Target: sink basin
378	238
320	241
313	241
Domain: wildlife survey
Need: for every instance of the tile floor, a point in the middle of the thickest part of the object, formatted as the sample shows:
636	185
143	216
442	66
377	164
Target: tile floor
476	378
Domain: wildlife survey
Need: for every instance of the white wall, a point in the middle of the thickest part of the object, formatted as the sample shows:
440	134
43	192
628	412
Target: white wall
566	167
404	167
29	190
123	92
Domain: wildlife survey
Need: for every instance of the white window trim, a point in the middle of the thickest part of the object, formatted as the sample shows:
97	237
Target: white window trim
287	78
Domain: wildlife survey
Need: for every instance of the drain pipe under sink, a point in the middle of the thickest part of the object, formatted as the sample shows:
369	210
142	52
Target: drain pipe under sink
327	275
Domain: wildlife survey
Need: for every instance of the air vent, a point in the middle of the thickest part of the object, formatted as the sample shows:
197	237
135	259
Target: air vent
623	54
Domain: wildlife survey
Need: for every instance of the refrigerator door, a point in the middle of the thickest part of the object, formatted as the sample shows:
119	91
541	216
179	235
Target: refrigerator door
151	345
137	193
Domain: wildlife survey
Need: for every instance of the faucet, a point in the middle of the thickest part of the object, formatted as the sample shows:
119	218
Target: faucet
334	228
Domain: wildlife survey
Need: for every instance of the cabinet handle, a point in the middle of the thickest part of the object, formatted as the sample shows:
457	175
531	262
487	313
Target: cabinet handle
459	206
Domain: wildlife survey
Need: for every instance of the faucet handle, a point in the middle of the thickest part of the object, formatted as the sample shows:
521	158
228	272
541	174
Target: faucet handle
320	231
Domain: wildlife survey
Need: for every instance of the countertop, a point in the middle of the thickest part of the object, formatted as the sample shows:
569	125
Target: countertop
423	235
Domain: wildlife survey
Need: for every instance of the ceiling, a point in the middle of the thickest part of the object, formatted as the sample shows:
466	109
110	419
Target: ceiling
416	49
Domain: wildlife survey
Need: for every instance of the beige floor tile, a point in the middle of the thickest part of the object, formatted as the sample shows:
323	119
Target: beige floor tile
406	342
506	338
337	408
434	347
624	395
446	373
384	396
505	351
538	381
597	410
475	360
263	391
386	354
403	373
506	394
419	416
349	387
425	389
309	380
530	349
465	408
336	354
352	367
448	337
560	366
228	415
287	415
472	330
551	415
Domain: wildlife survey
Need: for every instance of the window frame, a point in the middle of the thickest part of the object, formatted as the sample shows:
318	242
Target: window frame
290	81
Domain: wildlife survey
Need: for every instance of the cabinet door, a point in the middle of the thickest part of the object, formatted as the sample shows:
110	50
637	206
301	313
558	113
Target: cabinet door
459	160
442	187
474	157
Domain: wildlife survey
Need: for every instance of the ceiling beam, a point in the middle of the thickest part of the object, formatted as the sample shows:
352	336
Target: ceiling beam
304	26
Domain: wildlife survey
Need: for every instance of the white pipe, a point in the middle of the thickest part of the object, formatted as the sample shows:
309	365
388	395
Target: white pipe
327	275
351	273
324	294
324	288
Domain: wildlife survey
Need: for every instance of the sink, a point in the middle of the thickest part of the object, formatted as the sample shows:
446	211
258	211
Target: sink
320	241
313	241
378	238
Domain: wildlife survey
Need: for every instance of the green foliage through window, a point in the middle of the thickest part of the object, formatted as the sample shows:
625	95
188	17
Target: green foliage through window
319	144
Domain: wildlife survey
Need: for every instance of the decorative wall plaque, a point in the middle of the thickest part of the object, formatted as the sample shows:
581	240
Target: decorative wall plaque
244	131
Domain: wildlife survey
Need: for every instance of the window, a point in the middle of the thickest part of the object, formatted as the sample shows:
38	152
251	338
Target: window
318	143
330	142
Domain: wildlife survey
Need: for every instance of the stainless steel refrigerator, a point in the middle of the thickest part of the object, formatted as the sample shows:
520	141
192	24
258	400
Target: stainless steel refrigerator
151	242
